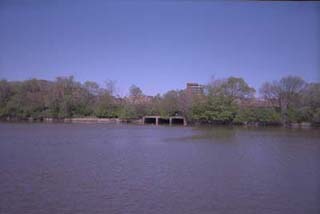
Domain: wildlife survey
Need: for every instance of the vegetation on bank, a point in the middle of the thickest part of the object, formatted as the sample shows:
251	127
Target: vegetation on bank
228	101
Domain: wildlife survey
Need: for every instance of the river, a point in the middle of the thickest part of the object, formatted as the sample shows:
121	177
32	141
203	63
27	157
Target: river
104	168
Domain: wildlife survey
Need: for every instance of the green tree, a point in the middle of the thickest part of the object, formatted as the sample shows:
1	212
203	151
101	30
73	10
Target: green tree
216	109
261	115
233	88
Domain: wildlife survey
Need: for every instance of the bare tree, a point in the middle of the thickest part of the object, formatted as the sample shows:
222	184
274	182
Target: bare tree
311	95
285	92
110	87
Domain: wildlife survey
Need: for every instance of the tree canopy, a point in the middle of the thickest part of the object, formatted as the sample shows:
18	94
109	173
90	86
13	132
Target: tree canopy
225	101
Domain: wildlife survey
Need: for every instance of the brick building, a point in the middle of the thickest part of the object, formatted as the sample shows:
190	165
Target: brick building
194	89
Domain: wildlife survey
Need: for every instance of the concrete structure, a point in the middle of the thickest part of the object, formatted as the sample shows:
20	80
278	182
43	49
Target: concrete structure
158	120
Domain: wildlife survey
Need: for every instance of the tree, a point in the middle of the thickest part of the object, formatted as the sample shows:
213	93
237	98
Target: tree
110	87
33	97
105	105
92	88
169	103
311	95
271	93
219	106
5	93
185	103
66	97
138	101
263	116
311	102
286	93
223	102
215	109
135	91
233	87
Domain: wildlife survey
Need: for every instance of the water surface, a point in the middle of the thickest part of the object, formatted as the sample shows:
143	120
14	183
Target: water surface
99	168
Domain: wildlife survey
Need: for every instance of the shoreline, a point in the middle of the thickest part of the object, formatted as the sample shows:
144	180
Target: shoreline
73	120
93	120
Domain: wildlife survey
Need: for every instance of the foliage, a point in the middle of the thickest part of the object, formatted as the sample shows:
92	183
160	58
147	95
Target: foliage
245	115
233	88
220	110
294	115
289	100
316	116
262	116
286	94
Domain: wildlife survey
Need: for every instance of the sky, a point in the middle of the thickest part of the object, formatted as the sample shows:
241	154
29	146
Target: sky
159	45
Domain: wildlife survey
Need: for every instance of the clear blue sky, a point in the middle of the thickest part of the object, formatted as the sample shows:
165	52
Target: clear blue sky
159	45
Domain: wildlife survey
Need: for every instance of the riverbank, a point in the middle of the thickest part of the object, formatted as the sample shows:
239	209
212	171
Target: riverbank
74	120
140	122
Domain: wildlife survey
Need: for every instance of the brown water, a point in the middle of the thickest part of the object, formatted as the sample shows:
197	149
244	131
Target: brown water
98	168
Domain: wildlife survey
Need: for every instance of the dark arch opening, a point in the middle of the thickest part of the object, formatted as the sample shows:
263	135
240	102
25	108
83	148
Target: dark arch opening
177	121
150	120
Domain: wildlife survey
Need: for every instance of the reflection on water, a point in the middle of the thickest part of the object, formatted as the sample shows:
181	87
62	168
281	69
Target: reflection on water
99	168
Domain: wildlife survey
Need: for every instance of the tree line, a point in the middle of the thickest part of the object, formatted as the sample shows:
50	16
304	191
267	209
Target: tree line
224	101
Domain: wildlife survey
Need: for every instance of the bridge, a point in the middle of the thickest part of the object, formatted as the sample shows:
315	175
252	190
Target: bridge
158	120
